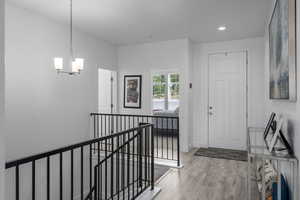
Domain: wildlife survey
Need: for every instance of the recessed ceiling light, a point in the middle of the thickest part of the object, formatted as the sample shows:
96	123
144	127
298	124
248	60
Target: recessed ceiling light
222	28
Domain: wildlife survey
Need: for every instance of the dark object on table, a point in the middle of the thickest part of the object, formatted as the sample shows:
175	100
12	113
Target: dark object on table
271	125
269	133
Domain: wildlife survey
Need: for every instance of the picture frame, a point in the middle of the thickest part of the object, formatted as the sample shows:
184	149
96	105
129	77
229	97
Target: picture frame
132	91
282	46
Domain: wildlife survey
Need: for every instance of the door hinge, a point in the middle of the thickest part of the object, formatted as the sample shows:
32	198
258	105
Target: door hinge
111	105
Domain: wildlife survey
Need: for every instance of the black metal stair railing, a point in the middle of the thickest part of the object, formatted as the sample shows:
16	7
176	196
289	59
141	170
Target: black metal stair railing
165	129
73	172
128	169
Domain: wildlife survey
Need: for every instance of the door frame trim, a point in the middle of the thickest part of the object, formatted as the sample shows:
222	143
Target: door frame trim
246	51
113	88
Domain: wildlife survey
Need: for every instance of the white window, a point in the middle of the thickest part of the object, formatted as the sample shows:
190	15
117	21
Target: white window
165	89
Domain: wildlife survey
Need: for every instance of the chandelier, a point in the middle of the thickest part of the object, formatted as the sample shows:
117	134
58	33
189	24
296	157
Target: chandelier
76	64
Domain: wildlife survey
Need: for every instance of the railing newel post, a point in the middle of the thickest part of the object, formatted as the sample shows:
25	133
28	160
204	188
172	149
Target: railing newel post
178	144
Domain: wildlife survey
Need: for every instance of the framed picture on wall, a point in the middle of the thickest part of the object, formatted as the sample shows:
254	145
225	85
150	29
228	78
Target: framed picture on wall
132	91
282	44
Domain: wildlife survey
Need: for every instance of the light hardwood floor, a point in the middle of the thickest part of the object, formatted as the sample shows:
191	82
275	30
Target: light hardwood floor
204	178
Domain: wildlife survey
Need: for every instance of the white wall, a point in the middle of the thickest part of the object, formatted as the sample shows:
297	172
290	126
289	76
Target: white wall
2	77
192	59
46	110
290	110
144	59
256	100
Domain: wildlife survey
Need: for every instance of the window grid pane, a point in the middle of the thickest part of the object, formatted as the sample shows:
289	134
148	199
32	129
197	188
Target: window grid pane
173	91
159	92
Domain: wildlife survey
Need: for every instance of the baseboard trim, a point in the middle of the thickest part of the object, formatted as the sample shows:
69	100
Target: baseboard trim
149	194
168	163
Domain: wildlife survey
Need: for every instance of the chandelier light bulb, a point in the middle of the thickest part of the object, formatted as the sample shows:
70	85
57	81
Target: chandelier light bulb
58	63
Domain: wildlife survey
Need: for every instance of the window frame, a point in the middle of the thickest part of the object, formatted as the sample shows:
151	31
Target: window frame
166	73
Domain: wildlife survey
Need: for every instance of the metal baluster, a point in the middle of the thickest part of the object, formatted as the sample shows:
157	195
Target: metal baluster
81	173
162	138
122	123
98	135
126	122
249	178
172	139
112	169
72	174
133	121
137	163
94	119
17	183
105	169
95	185
109	125
91	165
60	176
167	137
140	158
117	124
178	144
128	170
123	167
118	168
112	123
101	131
95	129
133	170
105	130
156	131
100	182
48	178
145	154
101	120
33	180
152	158
99	178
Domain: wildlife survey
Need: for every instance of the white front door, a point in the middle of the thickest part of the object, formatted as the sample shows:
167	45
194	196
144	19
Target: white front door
107	92
227	100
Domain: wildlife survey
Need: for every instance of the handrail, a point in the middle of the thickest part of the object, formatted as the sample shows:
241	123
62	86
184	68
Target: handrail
90	194
131	115
117	149
166	130
133	185
21	161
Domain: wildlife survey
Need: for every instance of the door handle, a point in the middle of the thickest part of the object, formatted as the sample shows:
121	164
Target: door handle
210	113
